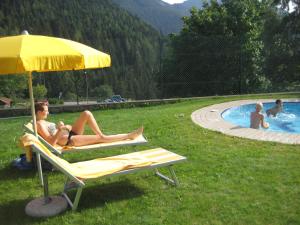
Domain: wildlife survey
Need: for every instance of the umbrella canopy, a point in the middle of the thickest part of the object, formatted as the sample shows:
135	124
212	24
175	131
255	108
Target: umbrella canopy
26	53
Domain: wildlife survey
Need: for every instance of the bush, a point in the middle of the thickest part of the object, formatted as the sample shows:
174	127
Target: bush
70	96
102	92
55	101
39	91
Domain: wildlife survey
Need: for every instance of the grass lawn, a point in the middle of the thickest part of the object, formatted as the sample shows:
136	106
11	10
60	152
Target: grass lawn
226	180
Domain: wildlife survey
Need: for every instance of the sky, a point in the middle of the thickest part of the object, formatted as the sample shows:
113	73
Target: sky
173	1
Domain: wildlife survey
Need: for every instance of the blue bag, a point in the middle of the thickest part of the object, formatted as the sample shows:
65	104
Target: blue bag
22	164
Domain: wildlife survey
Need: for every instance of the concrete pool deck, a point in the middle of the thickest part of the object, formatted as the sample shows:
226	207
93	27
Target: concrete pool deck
210	117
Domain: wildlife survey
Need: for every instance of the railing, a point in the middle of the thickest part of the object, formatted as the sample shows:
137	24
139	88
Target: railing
16	112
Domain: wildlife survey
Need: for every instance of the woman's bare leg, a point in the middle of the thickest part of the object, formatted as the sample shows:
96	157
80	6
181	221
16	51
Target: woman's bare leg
80	140
86	117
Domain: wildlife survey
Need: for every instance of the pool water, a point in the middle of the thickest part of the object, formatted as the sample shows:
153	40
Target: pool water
286	121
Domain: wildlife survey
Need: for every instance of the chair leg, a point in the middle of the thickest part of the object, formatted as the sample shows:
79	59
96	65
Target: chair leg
66	182
69	186
176	183
40	169
173	180
77	198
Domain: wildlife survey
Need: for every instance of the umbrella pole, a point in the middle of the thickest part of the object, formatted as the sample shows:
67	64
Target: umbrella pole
45	206
38	156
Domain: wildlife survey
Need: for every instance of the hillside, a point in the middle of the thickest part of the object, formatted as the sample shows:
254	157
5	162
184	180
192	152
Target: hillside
132	44
184	8
163	16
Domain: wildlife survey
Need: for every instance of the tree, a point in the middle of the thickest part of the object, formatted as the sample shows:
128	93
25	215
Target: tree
13	86
282	49
218	51
39	91
78	81
103	92
246	21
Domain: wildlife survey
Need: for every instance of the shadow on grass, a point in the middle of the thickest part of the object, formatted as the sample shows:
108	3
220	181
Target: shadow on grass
95	196
12	173
13	213
99	195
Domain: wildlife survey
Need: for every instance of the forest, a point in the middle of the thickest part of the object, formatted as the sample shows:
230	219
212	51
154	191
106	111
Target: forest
132	44
237	47
232	47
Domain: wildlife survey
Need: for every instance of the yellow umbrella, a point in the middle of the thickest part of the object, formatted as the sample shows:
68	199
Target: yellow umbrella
27	53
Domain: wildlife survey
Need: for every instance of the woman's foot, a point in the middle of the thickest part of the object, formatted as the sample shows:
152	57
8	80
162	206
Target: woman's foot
136	133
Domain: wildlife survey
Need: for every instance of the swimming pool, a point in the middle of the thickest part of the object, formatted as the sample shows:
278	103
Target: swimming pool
287	121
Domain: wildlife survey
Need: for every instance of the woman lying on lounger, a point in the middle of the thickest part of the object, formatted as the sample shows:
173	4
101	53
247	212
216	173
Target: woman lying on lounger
73	135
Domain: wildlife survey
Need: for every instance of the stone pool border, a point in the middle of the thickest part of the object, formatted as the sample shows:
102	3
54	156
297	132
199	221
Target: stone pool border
210	117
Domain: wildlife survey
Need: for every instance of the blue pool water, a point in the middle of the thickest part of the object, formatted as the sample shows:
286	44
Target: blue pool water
286	121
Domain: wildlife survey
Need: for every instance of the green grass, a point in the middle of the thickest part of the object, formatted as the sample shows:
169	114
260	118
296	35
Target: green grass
226	180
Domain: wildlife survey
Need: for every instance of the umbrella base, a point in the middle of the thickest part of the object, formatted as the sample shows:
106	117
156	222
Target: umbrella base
41	208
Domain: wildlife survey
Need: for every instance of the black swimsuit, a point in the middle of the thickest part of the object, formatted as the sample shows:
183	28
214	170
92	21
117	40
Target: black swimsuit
70	142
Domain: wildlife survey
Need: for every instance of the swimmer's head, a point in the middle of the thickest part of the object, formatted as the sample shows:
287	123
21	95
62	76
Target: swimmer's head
278	102
259	106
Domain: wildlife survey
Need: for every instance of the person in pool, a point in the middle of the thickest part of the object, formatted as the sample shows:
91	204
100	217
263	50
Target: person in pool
276	109
257	118
73	135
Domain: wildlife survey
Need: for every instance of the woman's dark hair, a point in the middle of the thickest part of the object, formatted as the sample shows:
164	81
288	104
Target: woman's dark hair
39	106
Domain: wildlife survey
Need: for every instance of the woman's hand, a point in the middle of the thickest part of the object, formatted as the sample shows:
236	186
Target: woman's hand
59	125
69	127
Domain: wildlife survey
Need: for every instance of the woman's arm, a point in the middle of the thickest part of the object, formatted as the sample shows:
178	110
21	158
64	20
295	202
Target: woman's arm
43	131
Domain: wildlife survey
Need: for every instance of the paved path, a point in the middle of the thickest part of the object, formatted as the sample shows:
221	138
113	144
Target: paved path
80	103
210	117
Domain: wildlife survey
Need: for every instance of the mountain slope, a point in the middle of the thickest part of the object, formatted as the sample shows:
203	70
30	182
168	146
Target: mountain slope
159	14
184	8
163	16
132	44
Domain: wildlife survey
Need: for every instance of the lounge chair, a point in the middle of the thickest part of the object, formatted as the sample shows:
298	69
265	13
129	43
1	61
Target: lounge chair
79	172
59	150
67	149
